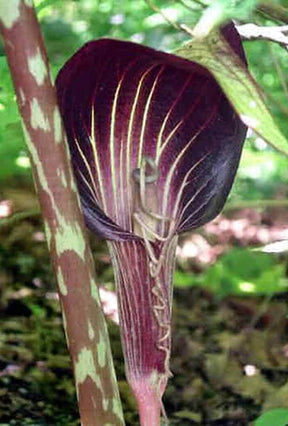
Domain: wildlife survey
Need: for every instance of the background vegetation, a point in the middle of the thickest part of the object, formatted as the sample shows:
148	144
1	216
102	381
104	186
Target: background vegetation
230	358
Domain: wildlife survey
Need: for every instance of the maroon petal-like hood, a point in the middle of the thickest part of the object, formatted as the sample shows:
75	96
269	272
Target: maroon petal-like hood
128	108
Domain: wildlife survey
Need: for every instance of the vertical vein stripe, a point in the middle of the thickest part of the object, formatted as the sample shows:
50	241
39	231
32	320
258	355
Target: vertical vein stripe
112	146
139	302
123	187
130	130
145	115
96	159
93	194
92	178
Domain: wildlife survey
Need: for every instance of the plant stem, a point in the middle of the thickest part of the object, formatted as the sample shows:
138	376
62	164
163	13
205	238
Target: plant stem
83	320
149	412
148	401
145	301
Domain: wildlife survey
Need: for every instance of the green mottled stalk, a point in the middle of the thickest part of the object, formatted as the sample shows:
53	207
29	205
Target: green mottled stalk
84	324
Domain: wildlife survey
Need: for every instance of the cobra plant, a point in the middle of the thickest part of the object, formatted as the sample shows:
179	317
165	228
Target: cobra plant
155	145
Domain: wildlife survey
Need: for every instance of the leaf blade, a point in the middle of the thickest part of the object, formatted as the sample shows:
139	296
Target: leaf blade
214	53
274	416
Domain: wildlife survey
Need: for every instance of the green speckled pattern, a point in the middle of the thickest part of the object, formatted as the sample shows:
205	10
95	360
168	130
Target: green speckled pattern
83	321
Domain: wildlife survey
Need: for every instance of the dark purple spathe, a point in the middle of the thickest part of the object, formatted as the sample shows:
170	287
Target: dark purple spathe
122	102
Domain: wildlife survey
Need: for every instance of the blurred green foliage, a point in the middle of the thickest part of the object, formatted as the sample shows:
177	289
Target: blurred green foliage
11	138
277	416
263	173
243	271
240	272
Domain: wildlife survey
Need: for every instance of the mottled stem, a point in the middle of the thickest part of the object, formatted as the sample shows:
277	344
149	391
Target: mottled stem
84	323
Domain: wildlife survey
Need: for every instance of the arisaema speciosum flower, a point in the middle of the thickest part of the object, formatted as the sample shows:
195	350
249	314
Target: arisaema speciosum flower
155	146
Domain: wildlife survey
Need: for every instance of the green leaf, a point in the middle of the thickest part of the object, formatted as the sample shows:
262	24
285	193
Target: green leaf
262	274
11	134
214	53
184	279
276	416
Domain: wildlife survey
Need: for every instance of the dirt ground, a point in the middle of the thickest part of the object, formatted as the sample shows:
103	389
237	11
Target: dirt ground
230	354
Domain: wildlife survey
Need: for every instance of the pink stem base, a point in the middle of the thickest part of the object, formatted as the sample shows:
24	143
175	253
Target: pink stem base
148	391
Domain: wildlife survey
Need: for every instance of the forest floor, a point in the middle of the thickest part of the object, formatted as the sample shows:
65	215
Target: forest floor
230	348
